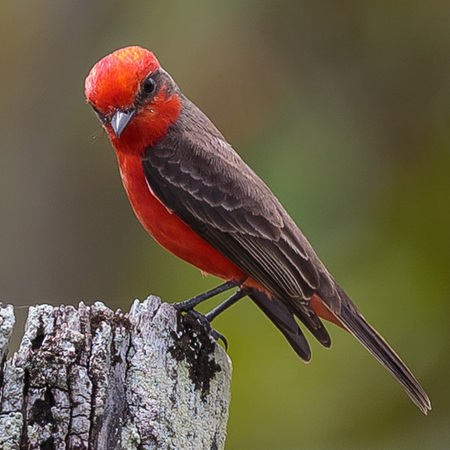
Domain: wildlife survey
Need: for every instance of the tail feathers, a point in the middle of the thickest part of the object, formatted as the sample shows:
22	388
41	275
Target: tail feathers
357	325
309	318
342	308
284	320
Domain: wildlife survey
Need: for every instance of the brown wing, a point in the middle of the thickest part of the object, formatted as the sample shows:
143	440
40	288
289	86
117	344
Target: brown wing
213	191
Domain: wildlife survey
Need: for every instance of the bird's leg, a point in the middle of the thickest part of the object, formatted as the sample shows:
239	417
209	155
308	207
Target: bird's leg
208	318
230	301
191	303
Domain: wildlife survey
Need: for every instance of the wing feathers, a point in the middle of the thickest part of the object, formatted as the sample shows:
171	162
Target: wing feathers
196	174
213	191
235	218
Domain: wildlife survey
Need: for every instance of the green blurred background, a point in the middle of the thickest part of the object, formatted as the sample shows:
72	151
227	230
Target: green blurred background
342	107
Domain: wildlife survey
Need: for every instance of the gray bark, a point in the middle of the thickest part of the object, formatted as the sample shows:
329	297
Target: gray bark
91	378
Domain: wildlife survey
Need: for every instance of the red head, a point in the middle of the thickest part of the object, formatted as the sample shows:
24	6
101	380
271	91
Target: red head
134	98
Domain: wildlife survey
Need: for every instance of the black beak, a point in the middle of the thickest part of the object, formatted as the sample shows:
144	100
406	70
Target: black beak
121	119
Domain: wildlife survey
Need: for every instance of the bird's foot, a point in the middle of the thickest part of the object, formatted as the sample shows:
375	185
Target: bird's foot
205	323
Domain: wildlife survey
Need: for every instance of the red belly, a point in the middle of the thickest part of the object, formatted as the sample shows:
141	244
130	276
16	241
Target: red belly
167	229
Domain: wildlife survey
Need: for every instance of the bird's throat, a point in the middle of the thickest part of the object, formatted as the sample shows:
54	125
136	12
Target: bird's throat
148	126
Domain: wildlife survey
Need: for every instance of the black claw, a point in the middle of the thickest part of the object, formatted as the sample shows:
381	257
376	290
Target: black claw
219	336
203	320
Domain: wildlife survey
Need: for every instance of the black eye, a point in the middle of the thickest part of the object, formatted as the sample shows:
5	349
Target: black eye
149	85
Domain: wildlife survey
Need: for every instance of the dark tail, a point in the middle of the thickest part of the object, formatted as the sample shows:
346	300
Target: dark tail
284	320
357	325
283	317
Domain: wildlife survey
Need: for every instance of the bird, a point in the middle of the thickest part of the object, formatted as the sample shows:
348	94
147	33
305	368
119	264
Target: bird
199	200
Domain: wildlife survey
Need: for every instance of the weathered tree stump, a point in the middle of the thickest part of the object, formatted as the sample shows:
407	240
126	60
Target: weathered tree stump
89	378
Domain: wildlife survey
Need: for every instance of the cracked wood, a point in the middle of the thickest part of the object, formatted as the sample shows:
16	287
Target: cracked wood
91	378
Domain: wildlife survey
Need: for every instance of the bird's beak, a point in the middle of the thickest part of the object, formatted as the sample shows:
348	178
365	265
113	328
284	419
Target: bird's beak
121	119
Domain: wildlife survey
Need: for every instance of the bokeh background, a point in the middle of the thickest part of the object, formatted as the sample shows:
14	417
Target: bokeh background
342	107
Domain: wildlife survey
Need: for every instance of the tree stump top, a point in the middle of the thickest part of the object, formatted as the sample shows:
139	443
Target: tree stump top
91	378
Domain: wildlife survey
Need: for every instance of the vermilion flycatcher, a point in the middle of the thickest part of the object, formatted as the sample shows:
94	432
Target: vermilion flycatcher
198	199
